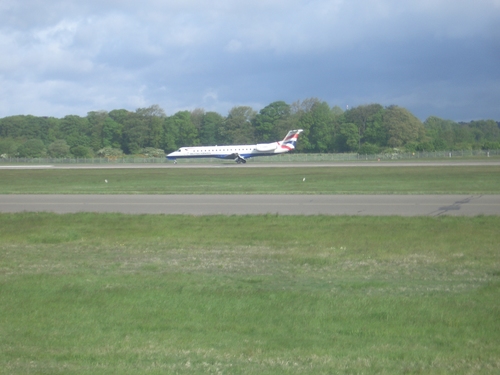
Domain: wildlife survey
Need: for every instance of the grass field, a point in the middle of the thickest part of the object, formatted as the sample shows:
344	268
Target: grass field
118	294
109	293
339	180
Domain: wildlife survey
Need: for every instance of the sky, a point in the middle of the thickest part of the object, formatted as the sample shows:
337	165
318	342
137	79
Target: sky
433	57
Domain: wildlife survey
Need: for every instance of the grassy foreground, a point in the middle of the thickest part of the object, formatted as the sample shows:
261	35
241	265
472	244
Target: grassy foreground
102	294
234	180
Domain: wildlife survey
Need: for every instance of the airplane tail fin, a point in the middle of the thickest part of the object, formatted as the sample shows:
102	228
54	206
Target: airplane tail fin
291	139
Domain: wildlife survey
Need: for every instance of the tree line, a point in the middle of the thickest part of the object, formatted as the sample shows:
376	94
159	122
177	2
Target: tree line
366	129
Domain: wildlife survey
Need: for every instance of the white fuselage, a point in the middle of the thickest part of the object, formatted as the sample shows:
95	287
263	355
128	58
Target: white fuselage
229	151
238	153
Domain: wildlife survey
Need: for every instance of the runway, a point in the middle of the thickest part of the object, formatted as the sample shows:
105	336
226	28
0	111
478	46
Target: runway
375	205
253	164
364	205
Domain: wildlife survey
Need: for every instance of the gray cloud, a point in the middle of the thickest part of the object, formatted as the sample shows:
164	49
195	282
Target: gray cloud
434	57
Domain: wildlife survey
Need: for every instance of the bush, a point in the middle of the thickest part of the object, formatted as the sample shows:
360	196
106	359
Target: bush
463	146
32	148
368	149
59	149
425	146
151	152
491	146
8	147
110	153
81	152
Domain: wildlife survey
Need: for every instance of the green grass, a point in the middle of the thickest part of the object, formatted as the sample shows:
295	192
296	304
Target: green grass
319	180
101	294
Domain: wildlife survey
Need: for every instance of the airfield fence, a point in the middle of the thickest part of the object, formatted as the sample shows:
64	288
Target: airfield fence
283	158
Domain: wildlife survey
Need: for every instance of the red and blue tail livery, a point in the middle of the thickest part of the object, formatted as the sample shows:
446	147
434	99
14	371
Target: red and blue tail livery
238	153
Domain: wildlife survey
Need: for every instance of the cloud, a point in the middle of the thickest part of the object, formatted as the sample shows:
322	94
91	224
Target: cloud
71	57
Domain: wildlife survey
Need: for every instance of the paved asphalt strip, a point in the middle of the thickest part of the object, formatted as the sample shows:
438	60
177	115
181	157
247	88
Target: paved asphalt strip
369	205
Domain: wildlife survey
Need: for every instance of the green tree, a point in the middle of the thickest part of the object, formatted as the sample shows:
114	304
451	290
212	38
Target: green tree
111	133
96	121
26	127
238	126
144	128
271	122
104	130
368	149
155	117
303	106
348	138
135	133
337	111
110	153
402	126
197	116
487	130
149	127
491	145
375	132
120	115
363	116
59	149
322	129
463	137
81	152
32	148
14	127
151	152
51	127
303	118
440	132
188	134
8	146
179	131
115	133
211	126
171	135
427	146
75	130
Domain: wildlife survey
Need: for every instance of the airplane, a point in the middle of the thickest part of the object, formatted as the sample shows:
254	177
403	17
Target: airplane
239	153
